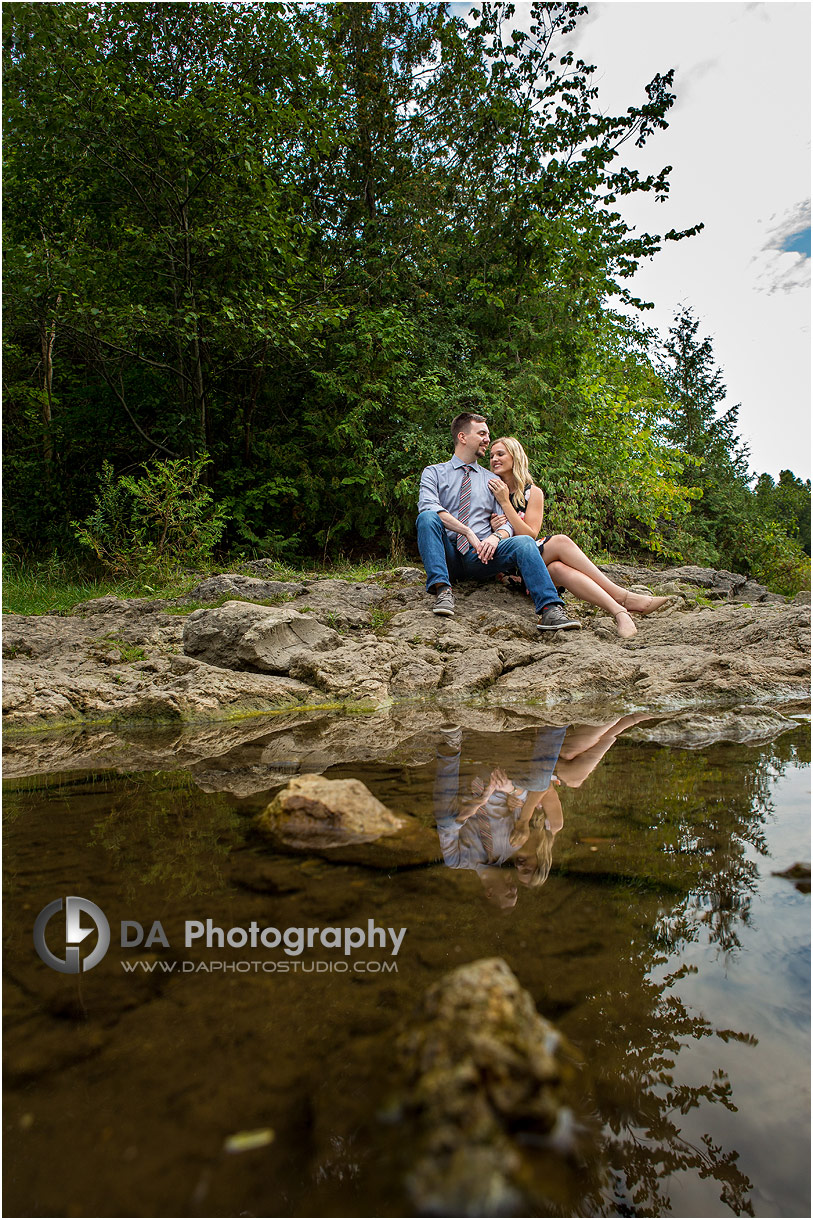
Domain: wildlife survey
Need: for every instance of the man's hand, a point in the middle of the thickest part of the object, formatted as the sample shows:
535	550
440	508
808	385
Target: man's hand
487	548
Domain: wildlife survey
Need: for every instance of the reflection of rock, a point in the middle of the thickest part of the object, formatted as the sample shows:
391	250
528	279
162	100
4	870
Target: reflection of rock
260	753
695	730
377	640
316	812
486	1087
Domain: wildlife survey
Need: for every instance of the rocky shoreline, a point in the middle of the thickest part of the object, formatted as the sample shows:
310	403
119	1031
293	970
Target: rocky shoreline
240	644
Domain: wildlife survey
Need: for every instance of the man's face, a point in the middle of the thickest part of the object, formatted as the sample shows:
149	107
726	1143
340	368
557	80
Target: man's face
477	439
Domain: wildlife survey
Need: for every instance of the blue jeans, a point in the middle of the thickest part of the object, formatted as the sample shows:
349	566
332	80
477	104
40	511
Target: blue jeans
445	565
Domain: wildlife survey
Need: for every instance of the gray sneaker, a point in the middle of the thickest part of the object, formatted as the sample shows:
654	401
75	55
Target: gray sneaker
444	603
554	618
452	736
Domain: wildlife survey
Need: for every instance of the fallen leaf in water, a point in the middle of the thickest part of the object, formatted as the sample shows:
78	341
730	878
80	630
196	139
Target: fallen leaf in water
247	1141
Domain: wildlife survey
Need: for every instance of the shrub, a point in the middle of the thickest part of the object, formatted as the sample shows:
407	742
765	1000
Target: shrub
150	526
779	561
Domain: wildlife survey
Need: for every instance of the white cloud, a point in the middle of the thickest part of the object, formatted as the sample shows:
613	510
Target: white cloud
777	268
739	143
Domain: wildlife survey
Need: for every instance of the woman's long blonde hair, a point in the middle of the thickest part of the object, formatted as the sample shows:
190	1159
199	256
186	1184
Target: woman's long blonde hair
540	840
522	475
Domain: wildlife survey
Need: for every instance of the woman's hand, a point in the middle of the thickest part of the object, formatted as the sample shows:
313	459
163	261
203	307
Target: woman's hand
499	490
498	520
469	810
501	781
520	833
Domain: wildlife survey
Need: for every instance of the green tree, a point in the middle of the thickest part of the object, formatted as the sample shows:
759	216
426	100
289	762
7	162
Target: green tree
300	239
717	471
788	503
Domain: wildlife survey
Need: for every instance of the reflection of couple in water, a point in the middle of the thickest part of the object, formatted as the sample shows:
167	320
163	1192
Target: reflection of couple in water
502	821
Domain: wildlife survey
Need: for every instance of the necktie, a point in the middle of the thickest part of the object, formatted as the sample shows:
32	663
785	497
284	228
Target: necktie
463	511
486	837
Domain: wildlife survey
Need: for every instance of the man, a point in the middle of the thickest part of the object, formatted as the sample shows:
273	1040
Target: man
455	539
489	826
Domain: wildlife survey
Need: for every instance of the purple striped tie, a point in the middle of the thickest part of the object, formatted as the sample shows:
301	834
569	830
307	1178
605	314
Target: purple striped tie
463	510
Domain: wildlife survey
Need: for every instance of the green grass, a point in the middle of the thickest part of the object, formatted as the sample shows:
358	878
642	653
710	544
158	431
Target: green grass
55	586
380	620
127	652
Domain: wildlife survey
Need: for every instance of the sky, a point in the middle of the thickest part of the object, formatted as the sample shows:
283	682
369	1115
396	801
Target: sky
739	143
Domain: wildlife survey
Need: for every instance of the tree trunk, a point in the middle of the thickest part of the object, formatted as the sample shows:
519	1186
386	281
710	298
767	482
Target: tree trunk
47	337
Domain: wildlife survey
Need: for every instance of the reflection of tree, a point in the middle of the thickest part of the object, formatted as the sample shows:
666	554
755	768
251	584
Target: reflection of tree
162	831
686	836
641	1102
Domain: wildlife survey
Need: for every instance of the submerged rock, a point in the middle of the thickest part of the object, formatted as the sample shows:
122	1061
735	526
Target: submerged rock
313	812
487	1090
799	874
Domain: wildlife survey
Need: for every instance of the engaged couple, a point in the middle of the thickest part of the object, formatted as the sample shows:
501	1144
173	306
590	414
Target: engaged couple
475	524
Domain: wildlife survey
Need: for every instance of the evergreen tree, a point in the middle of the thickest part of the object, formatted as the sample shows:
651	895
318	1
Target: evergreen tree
716	470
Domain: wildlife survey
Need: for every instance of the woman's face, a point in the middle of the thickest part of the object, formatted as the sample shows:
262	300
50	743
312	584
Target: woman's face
501	461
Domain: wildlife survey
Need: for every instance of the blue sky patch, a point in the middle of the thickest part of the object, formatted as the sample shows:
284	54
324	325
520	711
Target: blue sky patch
798	243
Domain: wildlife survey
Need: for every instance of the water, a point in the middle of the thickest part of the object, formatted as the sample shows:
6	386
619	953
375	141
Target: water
643	918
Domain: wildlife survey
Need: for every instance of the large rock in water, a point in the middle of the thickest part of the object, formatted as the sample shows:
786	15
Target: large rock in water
314	812
240	635
487	1081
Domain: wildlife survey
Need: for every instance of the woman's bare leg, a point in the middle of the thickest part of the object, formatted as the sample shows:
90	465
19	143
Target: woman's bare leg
589	590
561	549
587	746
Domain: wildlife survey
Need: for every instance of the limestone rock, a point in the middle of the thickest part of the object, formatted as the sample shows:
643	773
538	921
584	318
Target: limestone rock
238	635
314	812
368	670
487	1079
116	658
250	587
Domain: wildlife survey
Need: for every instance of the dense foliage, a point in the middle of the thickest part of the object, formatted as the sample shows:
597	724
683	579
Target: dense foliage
297	240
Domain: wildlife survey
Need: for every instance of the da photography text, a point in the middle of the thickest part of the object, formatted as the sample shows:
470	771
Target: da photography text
83	917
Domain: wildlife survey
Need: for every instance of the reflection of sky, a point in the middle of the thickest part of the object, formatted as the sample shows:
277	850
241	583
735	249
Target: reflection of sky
762	990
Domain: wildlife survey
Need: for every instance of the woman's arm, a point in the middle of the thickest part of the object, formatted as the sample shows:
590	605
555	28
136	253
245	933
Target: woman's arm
534	508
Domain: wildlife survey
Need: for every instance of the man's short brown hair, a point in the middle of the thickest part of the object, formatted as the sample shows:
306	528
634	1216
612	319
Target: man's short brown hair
462	423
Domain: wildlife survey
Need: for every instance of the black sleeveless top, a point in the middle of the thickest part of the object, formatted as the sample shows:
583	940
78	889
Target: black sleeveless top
527	492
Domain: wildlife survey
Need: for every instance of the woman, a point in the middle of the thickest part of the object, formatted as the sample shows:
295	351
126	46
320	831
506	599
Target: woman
523	506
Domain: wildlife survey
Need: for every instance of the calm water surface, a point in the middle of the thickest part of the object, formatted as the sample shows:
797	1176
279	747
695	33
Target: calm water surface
641	912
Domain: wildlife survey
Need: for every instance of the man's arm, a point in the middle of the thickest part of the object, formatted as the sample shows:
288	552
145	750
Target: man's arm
458	527
429	495
485	547
429	502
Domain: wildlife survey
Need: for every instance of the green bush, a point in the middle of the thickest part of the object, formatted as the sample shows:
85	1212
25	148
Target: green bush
149	526
779	561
